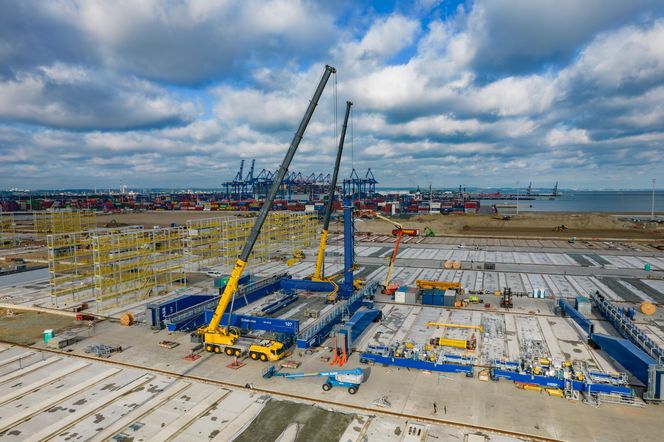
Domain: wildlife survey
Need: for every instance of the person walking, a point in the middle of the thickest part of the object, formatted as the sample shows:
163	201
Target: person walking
435	408
445	409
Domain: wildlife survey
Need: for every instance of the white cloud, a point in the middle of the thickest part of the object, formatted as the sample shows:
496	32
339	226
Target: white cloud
77	98
561	137
506	88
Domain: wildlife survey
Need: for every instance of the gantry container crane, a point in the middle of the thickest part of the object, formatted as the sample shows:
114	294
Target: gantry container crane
218	338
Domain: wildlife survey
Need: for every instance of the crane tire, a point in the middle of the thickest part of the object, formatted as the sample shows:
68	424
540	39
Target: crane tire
352	390
327	386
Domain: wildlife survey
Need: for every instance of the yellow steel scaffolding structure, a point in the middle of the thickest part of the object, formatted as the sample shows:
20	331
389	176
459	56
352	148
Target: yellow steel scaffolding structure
52	222
203	242
71	264
132	265
17	226
215	241
117	266
7	230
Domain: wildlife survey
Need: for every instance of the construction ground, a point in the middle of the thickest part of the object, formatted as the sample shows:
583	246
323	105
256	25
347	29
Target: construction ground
148	392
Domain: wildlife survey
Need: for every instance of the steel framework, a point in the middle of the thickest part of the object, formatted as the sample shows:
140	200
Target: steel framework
219	241
15	226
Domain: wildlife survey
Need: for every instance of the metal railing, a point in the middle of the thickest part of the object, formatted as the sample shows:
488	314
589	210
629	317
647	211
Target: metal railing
628	328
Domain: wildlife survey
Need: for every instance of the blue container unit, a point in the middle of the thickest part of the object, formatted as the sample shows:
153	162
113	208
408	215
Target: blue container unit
258	323
155	313
433	297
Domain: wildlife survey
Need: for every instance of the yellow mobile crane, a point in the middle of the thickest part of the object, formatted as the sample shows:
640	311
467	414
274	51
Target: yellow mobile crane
318	272
218	338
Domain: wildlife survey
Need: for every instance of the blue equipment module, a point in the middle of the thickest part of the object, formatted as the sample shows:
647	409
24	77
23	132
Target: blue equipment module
319	330
194	317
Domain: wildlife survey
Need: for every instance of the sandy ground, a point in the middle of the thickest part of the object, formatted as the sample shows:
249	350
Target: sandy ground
26	328
532	224
581	225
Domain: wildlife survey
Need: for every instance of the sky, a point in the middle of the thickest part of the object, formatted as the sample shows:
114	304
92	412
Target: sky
485	93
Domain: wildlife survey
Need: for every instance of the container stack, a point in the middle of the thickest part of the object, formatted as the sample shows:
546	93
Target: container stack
406	295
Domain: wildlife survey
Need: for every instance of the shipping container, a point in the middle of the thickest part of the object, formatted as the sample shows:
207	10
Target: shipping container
156	312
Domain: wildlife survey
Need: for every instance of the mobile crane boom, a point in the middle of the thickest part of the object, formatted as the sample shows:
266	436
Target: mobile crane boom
212	331
399	233
318	273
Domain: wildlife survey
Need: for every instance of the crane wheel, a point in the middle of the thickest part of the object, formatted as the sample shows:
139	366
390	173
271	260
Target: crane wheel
217	349
237	353
352	390
253	355
229	351
263	357
208	348
327	386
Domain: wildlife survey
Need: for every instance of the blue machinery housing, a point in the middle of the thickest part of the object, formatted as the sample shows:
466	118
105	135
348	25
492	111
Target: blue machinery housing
319	330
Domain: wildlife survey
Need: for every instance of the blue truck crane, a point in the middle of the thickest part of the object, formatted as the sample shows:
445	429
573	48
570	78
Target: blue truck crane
350	379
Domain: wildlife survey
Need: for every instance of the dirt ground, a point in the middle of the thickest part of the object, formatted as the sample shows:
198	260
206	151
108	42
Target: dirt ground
532	224
314	423
26	328
541	224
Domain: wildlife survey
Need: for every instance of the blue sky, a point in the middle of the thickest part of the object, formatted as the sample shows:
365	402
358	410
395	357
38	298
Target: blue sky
483	93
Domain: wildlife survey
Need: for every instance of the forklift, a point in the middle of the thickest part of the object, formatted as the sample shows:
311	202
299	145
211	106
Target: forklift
506	299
